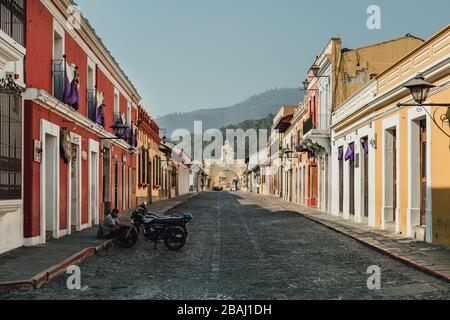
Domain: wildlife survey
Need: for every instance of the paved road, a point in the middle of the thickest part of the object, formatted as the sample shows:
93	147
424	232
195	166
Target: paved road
239	250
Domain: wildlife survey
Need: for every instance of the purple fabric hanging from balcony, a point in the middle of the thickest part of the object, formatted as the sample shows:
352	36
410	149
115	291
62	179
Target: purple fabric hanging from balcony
99	117
133	140
365	147
133	136
100	109
71	95
340	154
350	154
126	134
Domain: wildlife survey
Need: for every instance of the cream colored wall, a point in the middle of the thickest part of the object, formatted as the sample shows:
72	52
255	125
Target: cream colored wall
372	60
431	58
440	174
146	141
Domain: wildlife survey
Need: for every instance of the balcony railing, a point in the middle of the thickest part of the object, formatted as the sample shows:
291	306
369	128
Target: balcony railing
308	125
92	104
58	69
128	134
118	118
13	19
323	122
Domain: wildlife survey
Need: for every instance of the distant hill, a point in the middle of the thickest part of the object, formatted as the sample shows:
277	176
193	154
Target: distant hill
258	124
256	107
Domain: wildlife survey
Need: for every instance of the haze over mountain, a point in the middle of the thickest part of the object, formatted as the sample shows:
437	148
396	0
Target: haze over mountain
256	107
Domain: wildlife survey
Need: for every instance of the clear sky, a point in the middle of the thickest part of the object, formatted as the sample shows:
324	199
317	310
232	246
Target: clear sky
184	55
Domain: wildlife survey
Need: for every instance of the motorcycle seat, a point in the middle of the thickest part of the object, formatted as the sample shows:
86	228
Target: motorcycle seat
169	220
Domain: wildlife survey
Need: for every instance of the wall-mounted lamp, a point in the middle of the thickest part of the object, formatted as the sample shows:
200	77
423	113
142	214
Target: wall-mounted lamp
315	70
374	141
420	90
118	130
306	84
164	137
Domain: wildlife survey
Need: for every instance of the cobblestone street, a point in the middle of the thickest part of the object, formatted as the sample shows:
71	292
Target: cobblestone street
240	250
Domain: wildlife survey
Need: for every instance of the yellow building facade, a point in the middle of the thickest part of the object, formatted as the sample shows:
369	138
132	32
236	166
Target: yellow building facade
149	173
407	147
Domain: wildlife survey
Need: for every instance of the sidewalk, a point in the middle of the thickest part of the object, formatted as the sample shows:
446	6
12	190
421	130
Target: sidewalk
32	267
428	258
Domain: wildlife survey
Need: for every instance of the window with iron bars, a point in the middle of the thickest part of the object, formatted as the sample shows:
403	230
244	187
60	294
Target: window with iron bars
13	19
10	146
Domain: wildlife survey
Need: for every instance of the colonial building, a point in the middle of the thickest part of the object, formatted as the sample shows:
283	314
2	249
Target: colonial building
149	166
81	114
12	77
336	74
168	181
198	178
183	164
392	161
280	165
224	171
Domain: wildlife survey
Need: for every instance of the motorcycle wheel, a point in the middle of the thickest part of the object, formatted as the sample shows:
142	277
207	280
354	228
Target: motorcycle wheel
176	239
124	241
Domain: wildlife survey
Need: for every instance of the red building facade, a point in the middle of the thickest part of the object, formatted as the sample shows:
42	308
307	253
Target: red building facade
310	122
80	116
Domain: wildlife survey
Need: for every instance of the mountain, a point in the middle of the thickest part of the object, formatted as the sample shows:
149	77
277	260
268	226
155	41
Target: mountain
255	107
258	124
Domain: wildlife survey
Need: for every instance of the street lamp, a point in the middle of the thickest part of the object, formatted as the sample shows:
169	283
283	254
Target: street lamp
315	70
306	84
420	90
164	138
118	130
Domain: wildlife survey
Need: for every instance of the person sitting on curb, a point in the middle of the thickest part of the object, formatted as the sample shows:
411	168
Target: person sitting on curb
109	226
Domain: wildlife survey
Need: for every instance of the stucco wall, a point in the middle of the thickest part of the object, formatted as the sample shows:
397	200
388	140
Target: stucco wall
11	231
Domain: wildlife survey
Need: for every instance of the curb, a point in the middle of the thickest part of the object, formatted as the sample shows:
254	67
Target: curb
385	252
43	278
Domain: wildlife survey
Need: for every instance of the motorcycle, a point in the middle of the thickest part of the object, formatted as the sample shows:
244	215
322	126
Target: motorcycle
172	230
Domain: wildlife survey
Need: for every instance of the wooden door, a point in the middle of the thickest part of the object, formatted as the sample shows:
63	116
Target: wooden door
366	181
394	174
341	181
116	185
423	172
313	184
352	184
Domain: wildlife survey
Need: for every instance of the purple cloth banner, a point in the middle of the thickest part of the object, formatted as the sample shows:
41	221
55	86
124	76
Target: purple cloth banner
133	140
126	134
99	118
71	95
340	155
350	154
365	147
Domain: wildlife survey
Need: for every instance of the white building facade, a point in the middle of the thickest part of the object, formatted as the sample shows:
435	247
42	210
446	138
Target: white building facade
353	160
12	53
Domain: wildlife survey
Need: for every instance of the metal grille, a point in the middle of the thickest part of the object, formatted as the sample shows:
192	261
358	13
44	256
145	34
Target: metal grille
58	78
13	19
10	146
92	103
308	125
